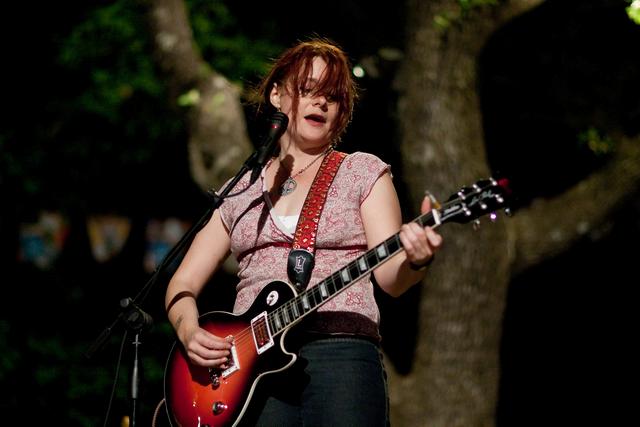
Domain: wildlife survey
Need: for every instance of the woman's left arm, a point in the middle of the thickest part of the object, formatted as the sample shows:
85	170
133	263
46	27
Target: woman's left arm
382	218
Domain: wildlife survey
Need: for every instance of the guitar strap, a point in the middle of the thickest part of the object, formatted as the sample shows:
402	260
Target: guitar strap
301	258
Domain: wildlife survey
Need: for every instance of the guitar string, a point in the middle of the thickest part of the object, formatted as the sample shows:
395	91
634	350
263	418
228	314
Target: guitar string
314	292
287	307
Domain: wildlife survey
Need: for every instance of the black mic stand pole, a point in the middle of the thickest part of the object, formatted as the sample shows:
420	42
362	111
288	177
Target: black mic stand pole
136	319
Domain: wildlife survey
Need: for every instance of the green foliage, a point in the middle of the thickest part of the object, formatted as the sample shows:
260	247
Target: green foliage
445	20
112	46
189	98
597	143
467	5
108	107
633	10
224	45
111	50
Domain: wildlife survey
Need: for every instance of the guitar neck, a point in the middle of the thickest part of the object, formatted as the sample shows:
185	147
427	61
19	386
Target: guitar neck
311	299
464	206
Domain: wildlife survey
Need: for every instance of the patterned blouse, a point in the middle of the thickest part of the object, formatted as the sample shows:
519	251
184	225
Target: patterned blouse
261	243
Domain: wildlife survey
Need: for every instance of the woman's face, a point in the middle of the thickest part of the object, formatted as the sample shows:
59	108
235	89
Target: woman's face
316	113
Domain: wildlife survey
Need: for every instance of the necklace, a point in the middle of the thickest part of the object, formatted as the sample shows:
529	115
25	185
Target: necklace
289	185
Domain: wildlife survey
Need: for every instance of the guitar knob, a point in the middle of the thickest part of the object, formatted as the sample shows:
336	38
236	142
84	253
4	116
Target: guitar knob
214	378
219	408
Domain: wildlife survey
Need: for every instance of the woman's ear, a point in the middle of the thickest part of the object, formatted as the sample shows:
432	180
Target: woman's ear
274	96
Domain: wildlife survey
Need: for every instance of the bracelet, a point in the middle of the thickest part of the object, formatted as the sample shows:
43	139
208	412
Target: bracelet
421	267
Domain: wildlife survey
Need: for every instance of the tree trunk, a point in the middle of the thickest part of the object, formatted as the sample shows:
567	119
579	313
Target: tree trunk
218	139
455	373
454	380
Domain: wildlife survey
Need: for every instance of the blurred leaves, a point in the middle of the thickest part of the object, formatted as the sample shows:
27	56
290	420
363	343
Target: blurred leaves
102	121
224	46
634	11
445	19
111	49
597	142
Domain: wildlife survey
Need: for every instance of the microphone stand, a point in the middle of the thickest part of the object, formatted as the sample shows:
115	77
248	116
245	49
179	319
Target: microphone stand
136	321
134	318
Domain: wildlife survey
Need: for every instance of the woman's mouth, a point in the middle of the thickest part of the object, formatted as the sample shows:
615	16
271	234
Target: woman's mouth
315	119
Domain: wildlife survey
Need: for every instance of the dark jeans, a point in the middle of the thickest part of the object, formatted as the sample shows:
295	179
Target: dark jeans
336	381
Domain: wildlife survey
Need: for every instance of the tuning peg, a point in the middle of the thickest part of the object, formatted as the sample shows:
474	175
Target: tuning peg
476	224
508	212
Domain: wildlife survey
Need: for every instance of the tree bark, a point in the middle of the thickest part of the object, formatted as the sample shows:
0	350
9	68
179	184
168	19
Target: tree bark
218	139
455	375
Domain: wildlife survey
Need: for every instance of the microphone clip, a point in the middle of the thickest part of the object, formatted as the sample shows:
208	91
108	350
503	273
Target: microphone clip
134	317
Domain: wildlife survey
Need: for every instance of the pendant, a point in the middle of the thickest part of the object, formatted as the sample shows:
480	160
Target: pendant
288	186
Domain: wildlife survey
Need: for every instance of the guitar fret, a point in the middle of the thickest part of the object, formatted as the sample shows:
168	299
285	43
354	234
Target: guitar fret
323	290
270	322
393	244
285	315
314	293
354	272
372	258
362	264
278	323
333	284
337	281
381	251
344	275
294	308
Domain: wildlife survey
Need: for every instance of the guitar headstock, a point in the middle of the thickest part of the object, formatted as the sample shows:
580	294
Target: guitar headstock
484	197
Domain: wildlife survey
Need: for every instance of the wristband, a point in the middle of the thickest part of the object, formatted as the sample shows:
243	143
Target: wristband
421	267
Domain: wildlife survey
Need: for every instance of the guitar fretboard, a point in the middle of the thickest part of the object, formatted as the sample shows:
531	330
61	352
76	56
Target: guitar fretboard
312	298
469	204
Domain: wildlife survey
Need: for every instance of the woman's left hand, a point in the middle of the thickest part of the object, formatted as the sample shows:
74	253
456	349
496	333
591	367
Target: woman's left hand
420	243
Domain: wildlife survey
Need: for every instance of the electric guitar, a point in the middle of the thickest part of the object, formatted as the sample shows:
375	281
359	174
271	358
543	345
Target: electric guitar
199	396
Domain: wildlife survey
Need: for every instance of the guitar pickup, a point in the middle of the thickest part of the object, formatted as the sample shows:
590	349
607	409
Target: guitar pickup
262	337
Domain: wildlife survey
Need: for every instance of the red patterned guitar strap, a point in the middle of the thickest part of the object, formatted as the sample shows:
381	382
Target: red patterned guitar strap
301	258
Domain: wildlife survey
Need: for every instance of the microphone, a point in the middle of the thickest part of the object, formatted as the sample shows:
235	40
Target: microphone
134	316
277	125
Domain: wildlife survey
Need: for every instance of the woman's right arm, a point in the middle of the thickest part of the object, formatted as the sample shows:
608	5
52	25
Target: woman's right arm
207	252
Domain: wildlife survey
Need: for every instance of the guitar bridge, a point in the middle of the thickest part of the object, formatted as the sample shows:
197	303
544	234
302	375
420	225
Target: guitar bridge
262	337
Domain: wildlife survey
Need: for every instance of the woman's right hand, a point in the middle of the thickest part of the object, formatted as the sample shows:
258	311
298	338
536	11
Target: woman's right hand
205	349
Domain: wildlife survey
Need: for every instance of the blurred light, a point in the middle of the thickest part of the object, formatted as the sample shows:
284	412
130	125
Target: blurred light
390	54
41	242
358	71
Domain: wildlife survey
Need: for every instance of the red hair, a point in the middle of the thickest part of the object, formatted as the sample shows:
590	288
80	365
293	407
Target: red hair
295	65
